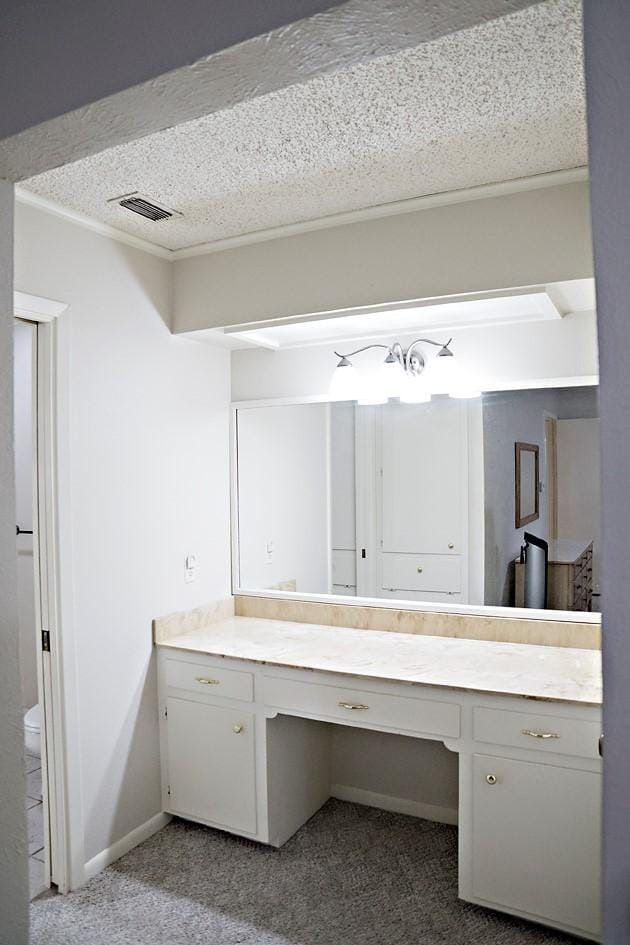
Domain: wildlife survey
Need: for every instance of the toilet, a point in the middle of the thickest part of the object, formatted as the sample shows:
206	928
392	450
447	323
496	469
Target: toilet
32	726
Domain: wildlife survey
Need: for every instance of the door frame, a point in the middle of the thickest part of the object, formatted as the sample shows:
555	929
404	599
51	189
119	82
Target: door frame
56	677
550	440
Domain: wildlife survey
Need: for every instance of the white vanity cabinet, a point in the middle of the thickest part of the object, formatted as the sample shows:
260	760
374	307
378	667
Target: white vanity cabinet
208	743
535	840
246	748
211	763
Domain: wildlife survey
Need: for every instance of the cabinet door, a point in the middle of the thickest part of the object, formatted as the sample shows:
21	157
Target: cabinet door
536	837
211	764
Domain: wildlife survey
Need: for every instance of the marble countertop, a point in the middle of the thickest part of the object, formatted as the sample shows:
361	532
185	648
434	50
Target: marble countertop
536	672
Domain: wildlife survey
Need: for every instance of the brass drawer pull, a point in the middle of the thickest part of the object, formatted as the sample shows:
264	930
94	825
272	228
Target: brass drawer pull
237	729
419	570
491	779
207	682
527	731
352	705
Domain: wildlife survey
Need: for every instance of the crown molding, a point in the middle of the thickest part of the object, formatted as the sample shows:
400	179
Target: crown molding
481	192
89	223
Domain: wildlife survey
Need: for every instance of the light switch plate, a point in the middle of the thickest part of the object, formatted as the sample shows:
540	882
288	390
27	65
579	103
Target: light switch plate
190	568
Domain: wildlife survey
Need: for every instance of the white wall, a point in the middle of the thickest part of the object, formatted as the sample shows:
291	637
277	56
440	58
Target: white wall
579	485
13	865
143	433
24	341
501	355
283	497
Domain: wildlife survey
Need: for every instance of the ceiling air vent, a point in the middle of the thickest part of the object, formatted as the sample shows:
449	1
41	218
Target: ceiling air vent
144	207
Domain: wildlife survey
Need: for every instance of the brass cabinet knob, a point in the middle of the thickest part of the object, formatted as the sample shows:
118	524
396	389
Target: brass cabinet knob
419	569
237	729
491	778
451	545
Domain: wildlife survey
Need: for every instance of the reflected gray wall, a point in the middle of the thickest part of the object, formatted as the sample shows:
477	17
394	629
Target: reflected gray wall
607	40
508	417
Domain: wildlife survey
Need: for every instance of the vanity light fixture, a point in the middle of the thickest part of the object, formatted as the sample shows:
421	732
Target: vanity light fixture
404	374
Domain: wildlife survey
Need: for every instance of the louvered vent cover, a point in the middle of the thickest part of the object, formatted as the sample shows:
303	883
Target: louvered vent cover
149	210
144	206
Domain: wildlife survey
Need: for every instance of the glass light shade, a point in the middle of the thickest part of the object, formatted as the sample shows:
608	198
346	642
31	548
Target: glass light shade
414	391
371	391
441	374
390	378
345	383
464	386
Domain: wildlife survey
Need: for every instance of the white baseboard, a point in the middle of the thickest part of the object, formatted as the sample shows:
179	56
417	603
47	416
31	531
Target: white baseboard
125	844
398	805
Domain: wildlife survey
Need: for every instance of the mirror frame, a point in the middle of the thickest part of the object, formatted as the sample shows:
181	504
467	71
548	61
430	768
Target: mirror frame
472	610
519	448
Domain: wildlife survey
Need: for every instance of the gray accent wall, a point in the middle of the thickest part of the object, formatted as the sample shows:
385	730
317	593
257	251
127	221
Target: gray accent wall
13	864
607	41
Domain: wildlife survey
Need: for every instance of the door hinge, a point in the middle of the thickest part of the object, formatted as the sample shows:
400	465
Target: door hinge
46	641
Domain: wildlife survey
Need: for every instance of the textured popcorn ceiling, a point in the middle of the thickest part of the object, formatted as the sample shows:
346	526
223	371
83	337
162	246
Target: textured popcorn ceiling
499	101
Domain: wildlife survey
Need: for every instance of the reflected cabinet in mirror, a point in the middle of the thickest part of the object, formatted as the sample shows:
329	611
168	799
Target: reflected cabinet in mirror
423	502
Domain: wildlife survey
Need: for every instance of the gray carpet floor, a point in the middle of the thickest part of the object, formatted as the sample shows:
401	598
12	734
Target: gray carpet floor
352	875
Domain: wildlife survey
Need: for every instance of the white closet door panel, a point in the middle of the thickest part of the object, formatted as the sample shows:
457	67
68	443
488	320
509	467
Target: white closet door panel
536	839
211	763
423	451
422	572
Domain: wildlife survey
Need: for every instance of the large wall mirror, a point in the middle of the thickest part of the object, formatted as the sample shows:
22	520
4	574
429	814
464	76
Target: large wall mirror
416	502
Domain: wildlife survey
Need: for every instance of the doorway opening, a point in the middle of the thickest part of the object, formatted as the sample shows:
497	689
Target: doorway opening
36	514
29	603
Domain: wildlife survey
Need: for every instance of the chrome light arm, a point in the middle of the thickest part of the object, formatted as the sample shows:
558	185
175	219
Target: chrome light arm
410	360
351	354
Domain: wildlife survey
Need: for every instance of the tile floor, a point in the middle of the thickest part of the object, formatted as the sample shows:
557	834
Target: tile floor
35	824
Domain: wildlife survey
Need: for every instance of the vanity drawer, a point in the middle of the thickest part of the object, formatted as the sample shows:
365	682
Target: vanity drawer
562	736
422	572
209	680
423	716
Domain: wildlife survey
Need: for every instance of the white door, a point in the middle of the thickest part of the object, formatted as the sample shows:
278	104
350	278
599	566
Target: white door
536	839
211	764
422	460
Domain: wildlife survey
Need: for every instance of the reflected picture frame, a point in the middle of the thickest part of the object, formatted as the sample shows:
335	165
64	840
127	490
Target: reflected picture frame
526	479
